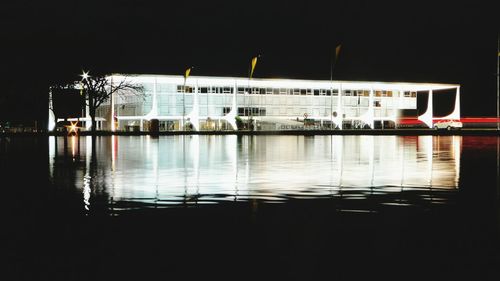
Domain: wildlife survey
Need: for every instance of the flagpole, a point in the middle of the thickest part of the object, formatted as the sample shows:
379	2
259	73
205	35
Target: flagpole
332	68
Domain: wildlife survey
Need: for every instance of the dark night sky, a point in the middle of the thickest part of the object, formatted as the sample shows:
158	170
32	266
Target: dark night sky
420	41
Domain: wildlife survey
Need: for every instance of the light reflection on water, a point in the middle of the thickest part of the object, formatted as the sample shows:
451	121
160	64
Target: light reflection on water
131	172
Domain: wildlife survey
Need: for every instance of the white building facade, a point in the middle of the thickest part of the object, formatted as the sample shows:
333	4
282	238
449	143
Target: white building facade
226	103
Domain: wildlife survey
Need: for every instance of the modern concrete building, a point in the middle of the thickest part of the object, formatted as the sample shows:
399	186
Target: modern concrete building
230	103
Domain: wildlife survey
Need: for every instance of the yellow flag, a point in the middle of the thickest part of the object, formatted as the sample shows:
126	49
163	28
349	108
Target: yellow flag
254	62
188	71
337	52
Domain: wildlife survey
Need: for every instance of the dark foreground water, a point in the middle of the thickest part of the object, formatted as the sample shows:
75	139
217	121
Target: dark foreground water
250	207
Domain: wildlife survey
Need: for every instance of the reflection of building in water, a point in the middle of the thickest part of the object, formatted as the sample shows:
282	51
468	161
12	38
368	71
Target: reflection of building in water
209	169
212	103
194	169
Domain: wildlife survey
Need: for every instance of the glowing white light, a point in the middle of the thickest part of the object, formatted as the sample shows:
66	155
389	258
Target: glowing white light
85	75
52	121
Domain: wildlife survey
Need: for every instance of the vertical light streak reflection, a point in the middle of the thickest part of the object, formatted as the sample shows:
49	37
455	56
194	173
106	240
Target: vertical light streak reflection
231	151
185	168
73	147
87	178
402	155
195	142
155	158
427	143
52	155
371	162
114	148
340	155
457	151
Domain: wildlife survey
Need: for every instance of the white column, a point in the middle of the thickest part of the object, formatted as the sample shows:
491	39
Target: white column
230	117
112	103
52	118
428	115
371	110
340	111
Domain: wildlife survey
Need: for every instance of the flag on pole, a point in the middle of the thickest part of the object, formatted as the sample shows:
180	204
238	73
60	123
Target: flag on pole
337	52
254	62
188	71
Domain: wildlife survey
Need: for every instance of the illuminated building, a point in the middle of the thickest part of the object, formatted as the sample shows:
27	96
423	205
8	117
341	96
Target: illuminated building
213	103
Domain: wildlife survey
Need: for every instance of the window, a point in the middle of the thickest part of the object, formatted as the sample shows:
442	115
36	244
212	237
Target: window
227	90
180	89
203	90
296	91
241	90
283	91
413	94
303	92
276	91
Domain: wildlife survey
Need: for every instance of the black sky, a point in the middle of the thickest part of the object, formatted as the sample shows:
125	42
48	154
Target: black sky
44	42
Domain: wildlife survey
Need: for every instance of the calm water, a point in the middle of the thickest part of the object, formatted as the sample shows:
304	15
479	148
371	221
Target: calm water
167	171
343	207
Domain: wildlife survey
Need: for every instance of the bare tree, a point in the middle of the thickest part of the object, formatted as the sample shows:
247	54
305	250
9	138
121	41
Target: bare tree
99	89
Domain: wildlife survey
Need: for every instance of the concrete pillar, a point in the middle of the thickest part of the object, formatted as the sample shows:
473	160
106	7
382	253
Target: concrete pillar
428	115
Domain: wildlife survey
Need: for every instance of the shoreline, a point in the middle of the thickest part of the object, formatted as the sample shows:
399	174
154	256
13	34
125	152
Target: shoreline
375	132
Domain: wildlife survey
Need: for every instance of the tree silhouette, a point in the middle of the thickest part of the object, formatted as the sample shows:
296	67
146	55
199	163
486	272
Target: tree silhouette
98	89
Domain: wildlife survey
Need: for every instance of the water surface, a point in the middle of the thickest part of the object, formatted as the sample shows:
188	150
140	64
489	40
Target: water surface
282	207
